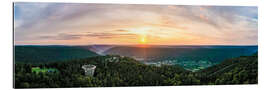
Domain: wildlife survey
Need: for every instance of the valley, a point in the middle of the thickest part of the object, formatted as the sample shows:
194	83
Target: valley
55	66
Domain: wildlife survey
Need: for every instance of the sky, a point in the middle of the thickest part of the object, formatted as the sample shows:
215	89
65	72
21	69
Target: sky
133	24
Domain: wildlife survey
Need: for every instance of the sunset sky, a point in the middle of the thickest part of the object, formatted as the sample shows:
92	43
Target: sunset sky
85	24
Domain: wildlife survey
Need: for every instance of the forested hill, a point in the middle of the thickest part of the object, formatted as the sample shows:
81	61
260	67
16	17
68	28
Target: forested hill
45	54
243	69
126	71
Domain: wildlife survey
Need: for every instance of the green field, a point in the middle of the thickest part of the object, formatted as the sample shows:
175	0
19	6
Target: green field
43	70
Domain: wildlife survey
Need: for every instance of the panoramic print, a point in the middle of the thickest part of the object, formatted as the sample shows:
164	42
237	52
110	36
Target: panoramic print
64	45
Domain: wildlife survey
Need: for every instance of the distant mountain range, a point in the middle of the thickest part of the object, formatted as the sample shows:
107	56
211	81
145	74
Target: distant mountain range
51	53
191	57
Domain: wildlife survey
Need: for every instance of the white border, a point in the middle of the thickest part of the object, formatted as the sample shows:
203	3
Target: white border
263	31
178	2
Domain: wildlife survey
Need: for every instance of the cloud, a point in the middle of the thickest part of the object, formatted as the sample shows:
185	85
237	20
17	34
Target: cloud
69	21
121	30
65	36
110	35
61	36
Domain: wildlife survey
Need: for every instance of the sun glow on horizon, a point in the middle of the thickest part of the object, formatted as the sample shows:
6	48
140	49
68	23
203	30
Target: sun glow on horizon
143	40
142	32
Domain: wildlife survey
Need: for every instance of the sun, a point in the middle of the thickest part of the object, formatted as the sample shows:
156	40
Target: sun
143	41
142	32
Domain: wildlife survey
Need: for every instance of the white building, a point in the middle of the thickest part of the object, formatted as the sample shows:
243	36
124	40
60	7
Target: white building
89	69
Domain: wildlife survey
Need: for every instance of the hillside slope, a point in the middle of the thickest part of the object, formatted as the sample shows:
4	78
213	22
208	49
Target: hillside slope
41	54
126	71
192	58
213	54
243	69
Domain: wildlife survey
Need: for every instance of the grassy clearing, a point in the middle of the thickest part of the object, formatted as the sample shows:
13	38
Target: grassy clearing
43	70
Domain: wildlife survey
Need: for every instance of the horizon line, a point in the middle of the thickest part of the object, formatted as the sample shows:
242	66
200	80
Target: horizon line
135	45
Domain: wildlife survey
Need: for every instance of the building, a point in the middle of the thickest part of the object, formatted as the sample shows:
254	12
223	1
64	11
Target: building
112	59
89	69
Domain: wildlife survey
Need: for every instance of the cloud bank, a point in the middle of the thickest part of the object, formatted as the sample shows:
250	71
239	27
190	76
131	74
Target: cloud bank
75	23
